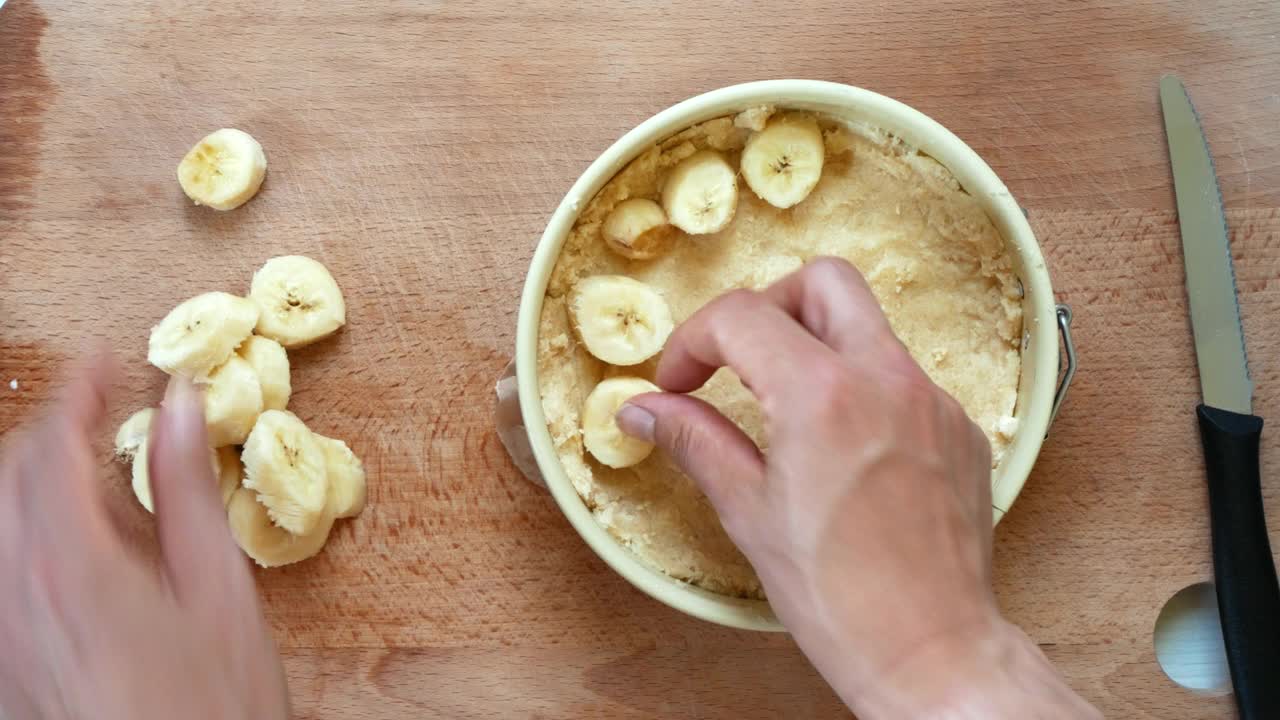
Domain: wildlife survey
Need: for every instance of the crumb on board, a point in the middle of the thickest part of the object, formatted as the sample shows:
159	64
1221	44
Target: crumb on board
13	384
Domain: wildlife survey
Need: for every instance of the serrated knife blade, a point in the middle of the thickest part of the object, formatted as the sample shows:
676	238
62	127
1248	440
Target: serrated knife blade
1206	253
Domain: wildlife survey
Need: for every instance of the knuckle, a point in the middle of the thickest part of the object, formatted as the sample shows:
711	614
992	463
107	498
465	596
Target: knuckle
837	390
729	311
833	267
740	300
836	272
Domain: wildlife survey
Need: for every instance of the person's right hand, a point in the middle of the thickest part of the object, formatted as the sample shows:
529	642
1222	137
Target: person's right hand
869	518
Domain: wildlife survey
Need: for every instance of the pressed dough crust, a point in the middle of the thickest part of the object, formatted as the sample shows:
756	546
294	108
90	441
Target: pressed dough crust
937	265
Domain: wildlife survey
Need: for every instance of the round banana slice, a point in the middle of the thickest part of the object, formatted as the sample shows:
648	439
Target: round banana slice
783	162
271	363
636	229
230	472
232	402
223	170
201	333
284	464
141	476
133	433
700	195
299	300
346	478
600	432
620	320
268	545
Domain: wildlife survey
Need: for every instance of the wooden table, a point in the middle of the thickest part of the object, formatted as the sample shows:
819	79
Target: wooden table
418	148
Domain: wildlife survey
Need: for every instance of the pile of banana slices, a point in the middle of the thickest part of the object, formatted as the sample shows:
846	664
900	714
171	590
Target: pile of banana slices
286	486
625	322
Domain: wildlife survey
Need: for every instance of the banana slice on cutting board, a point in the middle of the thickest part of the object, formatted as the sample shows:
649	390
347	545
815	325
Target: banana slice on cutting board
285	465
223	170
232	402
267	544
133	433
783	163
637	229
131	444
347	487
700	195
271	363
299	301
201	333
620	320
600	432
230	472
141	477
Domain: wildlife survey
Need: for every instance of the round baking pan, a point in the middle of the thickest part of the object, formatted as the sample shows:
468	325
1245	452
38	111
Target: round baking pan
1038	392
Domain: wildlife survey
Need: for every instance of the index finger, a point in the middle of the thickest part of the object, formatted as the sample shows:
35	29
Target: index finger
748	333
834	302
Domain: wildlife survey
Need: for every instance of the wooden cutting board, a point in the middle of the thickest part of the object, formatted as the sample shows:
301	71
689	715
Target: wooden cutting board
417	149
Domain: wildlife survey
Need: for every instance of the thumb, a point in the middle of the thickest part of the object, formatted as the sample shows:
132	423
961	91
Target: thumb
199	555
708	447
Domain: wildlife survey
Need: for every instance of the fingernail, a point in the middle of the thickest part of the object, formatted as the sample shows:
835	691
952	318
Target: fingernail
183	408
636	421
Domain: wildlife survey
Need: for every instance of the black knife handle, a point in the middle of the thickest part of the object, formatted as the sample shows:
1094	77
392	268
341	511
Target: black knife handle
1245	574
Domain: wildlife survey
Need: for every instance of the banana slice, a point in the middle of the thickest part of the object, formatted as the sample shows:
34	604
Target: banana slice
223	170
701	193
133	433
285	465
230	472
299	300
268	545
271	363
636	229
201	333
600	432
620	320
346	478
783	162
232	402
141	476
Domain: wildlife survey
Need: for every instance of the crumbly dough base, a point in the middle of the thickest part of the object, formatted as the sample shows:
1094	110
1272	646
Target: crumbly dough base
937	265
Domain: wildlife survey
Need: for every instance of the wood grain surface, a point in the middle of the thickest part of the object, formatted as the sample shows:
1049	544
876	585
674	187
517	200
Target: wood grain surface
417	149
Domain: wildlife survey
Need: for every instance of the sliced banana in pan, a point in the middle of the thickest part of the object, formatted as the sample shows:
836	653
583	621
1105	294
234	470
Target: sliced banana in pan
299	301
232	402
285	466
637	229
620	320
346	478
267	544
271	363
230	472
783	163
600	432
700	195
223	170
201	333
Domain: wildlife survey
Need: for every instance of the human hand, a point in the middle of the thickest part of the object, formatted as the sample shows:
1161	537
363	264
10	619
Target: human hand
869	518
92	631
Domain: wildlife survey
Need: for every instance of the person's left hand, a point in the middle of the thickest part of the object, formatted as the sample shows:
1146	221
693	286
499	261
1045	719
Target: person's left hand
90	630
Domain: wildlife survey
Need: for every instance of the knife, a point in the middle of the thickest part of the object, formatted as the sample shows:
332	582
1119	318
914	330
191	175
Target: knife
1244	572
